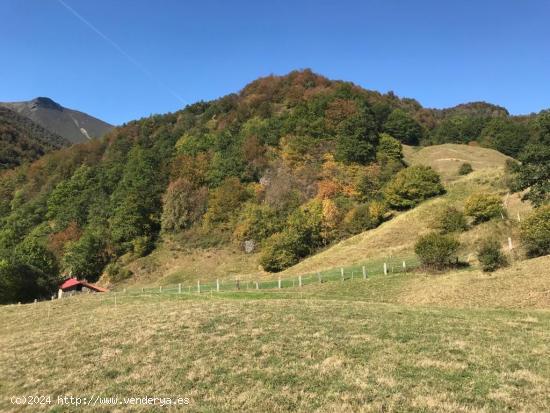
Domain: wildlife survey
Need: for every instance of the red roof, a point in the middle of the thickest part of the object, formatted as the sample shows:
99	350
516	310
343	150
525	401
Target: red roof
71	282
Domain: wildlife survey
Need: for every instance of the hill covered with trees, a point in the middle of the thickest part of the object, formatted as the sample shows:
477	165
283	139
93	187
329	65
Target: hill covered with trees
286	166
22	140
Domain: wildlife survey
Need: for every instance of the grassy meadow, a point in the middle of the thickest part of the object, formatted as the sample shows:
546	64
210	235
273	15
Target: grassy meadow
374	345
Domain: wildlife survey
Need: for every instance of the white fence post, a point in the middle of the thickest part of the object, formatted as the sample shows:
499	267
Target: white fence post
160	289
257	285
179	288
364	272
404	266
217	285
385	269
279	282
198	286
342	273
299	281
510	243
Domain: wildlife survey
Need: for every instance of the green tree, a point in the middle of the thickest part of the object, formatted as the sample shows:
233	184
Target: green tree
389	149
183	205
136	201
403	127
535	232
505	135
534	173
490	255
437	251
411	186
356	138
224	202
86	257
483	207
450	219
70	200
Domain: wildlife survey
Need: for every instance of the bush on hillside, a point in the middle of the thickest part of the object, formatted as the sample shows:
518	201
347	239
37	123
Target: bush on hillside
302	235
279	251
465	169
411	186
363	217
117	272
535	232
483	207
490	255
450	219
437	251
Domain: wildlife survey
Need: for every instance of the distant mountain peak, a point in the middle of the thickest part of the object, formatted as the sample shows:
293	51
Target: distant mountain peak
46	103
72	125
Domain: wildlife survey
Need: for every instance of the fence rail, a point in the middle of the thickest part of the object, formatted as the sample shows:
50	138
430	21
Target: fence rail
360	271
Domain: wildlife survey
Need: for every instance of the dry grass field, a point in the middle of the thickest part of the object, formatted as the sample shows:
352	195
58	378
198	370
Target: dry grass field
400	343
447	158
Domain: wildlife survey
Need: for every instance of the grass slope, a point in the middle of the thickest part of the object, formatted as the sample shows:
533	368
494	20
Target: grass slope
262	352
447	158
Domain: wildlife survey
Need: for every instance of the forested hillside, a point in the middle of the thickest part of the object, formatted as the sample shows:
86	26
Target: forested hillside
22	140
286	166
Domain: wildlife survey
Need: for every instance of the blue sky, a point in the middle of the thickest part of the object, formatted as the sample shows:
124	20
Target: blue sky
440	52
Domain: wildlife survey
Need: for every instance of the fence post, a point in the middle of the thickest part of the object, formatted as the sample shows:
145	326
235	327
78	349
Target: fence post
342	273
299	281
510	243
35	300
364	272
217	285
160	289
385	269
179	288
279	282
198	286
404	266
257	286
142	290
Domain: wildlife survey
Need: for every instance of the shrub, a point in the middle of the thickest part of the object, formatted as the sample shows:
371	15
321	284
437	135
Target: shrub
302	235
117	273
465	169
364	217
437	251
483	207
279	251
411	186
490	256
449	220
535	232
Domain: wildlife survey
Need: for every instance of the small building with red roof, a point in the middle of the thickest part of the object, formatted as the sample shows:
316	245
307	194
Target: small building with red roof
73	285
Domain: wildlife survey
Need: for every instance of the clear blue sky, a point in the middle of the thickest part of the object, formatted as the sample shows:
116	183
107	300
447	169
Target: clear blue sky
440	52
